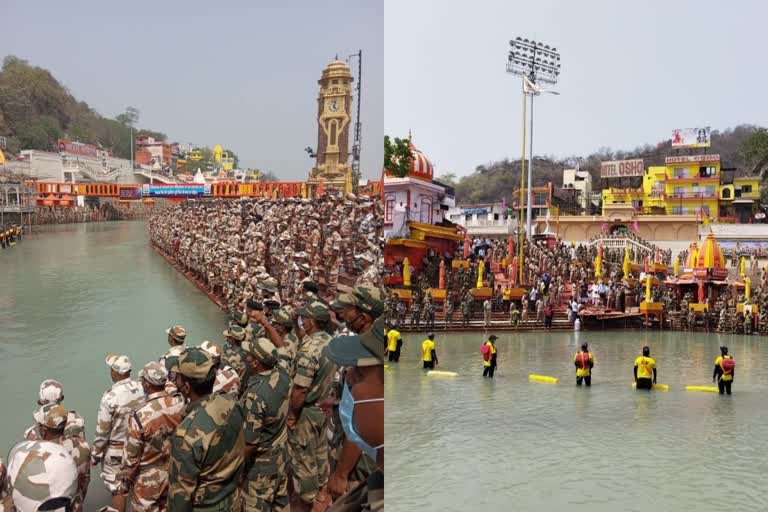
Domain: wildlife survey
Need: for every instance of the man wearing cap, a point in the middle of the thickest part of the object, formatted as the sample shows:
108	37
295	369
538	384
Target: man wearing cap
207	446
360	308
144	473
177	335
115	409
282	323
253	330
51	420
307	443
227	380
52	392
238	318
233	354
265	402
371	274
362	410
41	476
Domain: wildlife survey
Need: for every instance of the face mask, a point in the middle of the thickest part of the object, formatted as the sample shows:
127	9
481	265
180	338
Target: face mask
346	413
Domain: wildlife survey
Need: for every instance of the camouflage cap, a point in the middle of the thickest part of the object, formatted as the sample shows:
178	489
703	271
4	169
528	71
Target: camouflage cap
38	472
177	332
263	350
239	318
369	299
195	363
366	349
51	391
235	332
283	317
51	416
343	300
213	349
269	284
172	357
316	310
154	373
119	363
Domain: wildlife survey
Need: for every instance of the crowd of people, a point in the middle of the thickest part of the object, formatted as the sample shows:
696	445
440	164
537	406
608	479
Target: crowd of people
105	212
286	411
269	249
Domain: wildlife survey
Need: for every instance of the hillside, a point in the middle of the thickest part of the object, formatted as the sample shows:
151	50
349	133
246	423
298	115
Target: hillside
492	181
36	110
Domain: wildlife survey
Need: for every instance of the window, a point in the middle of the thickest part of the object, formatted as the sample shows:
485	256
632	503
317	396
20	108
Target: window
726	193
495	216
679	172
389	207
746	189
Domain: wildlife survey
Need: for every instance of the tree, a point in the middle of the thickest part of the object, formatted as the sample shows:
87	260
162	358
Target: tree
150	133
41	133
268	176
128	118
397	156
448	178
755	152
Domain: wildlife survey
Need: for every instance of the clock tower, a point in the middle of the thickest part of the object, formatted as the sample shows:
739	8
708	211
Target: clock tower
334	105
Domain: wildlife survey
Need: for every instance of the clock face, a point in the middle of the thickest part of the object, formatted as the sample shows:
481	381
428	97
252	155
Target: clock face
334	105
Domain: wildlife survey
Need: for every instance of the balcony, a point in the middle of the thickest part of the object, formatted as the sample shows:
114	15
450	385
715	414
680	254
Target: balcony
715	178
690	195
489	227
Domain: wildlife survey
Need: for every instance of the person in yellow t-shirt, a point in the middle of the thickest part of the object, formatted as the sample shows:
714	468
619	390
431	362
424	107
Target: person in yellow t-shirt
645	368
489	364
428	354
584	362
394	343
725	367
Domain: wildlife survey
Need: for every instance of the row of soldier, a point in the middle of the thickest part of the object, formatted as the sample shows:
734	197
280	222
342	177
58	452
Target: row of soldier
246	425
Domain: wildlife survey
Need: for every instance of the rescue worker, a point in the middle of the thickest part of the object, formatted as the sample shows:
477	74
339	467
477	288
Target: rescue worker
394	343
725	366
428	354
489	359
644	369
584	362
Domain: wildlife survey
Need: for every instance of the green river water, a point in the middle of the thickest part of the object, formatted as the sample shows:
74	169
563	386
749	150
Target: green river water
71	294
468	443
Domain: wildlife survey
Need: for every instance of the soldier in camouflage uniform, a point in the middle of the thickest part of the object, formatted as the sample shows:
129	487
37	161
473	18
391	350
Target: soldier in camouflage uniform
41	476
115	409
144	474
52	392
233	354
466	311
429	312
415	313
207	446
283	324
51	420
177	335
265	402
449	310
307	444
227	379
254	329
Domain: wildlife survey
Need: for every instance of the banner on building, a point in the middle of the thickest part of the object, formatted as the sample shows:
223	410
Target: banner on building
177	190
78	148
130	193
622	168
692	159
691	137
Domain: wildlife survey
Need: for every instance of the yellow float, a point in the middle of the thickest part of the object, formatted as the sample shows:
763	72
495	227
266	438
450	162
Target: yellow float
660	387
704	389
543	378
438	373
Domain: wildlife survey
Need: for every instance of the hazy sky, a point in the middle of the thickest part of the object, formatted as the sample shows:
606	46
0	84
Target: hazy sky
239	73
631	72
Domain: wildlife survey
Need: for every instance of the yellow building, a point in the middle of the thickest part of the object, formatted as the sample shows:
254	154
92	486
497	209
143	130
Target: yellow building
689	185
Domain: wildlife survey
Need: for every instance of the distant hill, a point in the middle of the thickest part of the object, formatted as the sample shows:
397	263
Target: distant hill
492	181
36	110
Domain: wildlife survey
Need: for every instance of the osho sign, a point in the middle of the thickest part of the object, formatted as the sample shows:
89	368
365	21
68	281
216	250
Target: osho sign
622	168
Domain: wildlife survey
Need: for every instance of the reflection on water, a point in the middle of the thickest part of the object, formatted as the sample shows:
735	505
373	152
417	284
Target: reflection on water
469	443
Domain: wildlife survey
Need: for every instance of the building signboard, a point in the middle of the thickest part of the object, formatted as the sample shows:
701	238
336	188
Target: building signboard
691	137
177	190
130	193
622	168
78	148
691	159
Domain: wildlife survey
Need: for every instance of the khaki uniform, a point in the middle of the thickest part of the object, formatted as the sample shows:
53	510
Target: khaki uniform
148	451
115	409
227	382
307	442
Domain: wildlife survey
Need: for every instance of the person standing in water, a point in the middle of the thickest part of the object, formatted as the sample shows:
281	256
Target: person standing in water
428	354
645	368
725	366
584	362
489	356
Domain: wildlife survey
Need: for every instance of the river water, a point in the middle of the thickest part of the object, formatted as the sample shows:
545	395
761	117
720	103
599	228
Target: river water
69	295
469	443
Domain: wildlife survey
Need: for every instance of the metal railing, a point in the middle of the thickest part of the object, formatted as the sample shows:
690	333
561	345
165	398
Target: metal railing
620	243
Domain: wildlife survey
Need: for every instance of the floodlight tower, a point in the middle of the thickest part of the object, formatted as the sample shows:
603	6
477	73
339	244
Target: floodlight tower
536	63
